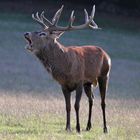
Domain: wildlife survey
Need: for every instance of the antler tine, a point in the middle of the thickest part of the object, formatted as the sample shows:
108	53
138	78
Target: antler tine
57	15
72	18
47	22
41	15
94	25
33	16
37	16
38	20
89	20
86	16
93	12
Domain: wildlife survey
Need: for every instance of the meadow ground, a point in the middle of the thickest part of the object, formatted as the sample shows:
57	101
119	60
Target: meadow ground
31	103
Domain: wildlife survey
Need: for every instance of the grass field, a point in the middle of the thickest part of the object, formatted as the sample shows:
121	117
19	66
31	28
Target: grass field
31	103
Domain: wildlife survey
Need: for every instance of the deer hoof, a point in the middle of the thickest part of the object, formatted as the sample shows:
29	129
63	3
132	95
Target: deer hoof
105	130
68	130
88	127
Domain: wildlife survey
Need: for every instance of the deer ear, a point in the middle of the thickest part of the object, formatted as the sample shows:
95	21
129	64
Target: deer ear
57	34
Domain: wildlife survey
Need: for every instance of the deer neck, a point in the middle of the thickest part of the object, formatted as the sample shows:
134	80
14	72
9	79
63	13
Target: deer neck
51	54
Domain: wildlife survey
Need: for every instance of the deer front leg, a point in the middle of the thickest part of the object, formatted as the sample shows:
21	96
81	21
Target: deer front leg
77	105
67	96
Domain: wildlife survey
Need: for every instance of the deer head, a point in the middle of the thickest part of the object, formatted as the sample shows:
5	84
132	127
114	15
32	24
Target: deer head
51	31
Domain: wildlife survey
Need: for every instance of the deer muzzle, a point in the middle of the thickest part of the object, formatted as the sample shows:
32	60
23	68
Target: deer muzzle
28	39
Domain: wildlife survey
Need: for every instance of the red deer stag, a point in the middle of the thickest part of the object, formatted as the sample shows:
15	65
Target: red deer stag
74	67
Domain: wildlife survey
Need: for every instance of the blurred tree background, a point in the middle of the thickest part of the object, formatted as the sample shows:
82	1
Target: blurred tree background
119	7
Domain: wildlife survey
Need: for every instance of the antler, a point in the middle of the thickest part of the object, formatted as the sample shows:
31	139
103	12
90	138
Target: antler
52	26
44	22
57	16
39	20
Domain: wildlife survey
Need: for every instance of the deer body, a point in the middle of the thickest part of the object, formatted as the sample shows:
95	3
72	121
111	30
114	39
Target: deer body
73	64
74	67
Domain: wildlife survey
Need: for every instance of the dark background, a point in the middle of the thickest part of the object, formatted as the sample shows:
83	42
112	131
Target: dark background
117	7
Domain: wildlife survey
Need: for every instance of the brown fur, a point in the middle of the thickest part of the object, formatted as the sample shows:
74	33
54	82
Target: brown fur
78	64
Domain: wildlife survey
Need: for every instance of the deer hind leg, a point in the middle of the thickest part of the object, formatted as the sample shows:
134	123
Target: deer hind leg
87	88
103	83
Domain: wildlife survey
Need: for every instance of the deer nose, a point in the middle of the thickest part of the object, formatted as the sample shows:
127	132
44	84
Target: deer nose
26	34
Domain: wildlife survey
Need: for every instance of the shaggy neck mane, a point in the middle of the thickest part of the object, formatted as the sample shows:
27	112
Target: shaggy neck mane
52	57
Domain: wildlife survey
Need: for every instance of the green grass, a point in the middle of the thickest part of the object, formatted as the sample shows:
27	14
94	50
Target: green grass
31	103
52	127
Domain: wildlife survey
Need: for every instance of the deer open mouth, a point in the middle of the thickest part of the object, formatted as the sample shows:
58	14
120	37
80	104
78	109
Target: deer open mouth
29	41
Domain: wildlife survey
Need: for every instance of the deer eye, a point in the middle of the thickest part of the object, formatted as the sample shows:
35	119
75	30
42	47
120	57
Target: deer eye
42	34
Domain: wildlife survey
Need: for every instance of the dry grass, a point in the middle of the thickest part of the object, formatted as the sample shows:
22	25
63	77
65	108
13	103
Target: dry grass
33	116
